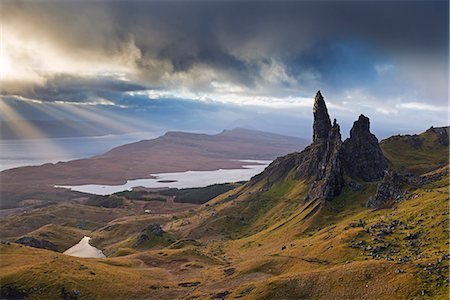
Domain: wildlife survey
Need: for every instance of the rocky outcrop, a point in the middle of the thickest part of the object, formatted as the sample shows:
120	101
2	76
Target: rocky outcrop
362	156
309	162
389	190
152	231
396	187
327	160
32	242
441	133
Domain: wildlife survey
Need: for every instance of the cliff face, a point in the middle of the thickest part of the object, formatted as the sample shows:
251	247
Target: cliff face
327	160
362	155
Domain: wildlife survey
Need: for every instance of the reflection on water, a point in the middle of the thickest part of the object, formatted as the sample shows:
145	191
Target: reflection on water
187	179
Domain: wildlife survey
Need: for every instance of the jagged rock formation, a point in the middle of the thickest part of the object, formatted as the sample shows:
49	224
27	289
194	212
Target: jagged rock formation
327	159
362	155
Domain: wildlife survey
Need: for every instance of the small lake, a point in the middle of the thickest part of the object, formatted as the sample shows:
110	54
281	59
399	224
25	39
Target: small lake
189	179
84	249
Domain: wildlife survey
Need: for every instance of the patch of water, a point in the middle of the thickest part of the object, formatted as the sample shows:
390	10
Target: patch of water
188	179
84	249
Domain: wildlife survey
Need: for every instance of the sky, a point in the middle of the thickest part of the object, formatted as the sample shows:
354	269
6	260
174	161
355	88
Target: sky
211	65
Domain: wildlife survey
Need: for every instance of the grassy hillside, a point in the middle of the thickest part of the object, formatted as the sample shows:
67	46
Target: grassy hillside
416	153
70	214
251	242
297	256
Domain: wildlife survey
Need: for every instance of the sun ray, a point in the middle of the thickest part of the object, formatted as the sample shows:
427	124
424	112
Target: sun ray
26	130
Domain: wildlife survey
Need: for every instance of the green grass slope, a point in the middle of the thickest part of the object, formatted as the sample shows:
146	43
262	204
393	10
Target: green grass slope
416	153
259	242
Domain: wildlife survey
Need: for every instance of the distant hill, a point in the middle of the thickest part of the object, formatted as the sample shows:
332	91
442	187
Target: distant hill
229	144
172	152
418	153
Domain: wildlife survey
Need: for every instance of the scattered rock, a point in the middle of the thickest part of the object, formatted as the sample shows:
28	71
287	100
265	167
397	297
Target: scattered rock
360	223
189	284
229	271
69	295
244	292
221	295
412	236
12	292
388	191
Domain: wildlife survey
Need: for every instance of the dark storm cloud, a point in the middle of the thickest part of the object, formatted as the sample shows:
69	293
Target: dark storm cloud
232	37
70	88
386	57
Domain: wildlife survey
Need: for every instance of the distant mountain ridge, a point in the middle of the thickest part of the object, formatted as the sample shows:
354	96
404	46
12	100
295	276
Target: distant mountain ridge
172	152
237	143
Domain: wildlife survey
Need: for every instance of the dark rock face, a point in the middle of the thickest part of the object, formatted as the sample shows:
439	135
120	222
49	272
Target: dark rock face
389	190
329	173
441	133
333	172
32	242
322	124
362	155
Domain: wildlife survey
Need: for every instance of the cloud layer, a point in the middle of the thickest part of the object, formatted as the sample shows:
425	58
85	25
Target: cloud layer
386	57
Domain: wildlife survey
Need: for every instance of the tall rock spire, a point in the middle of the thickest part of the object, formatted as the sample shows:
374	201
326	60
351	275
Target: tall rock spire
362	154
322	124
